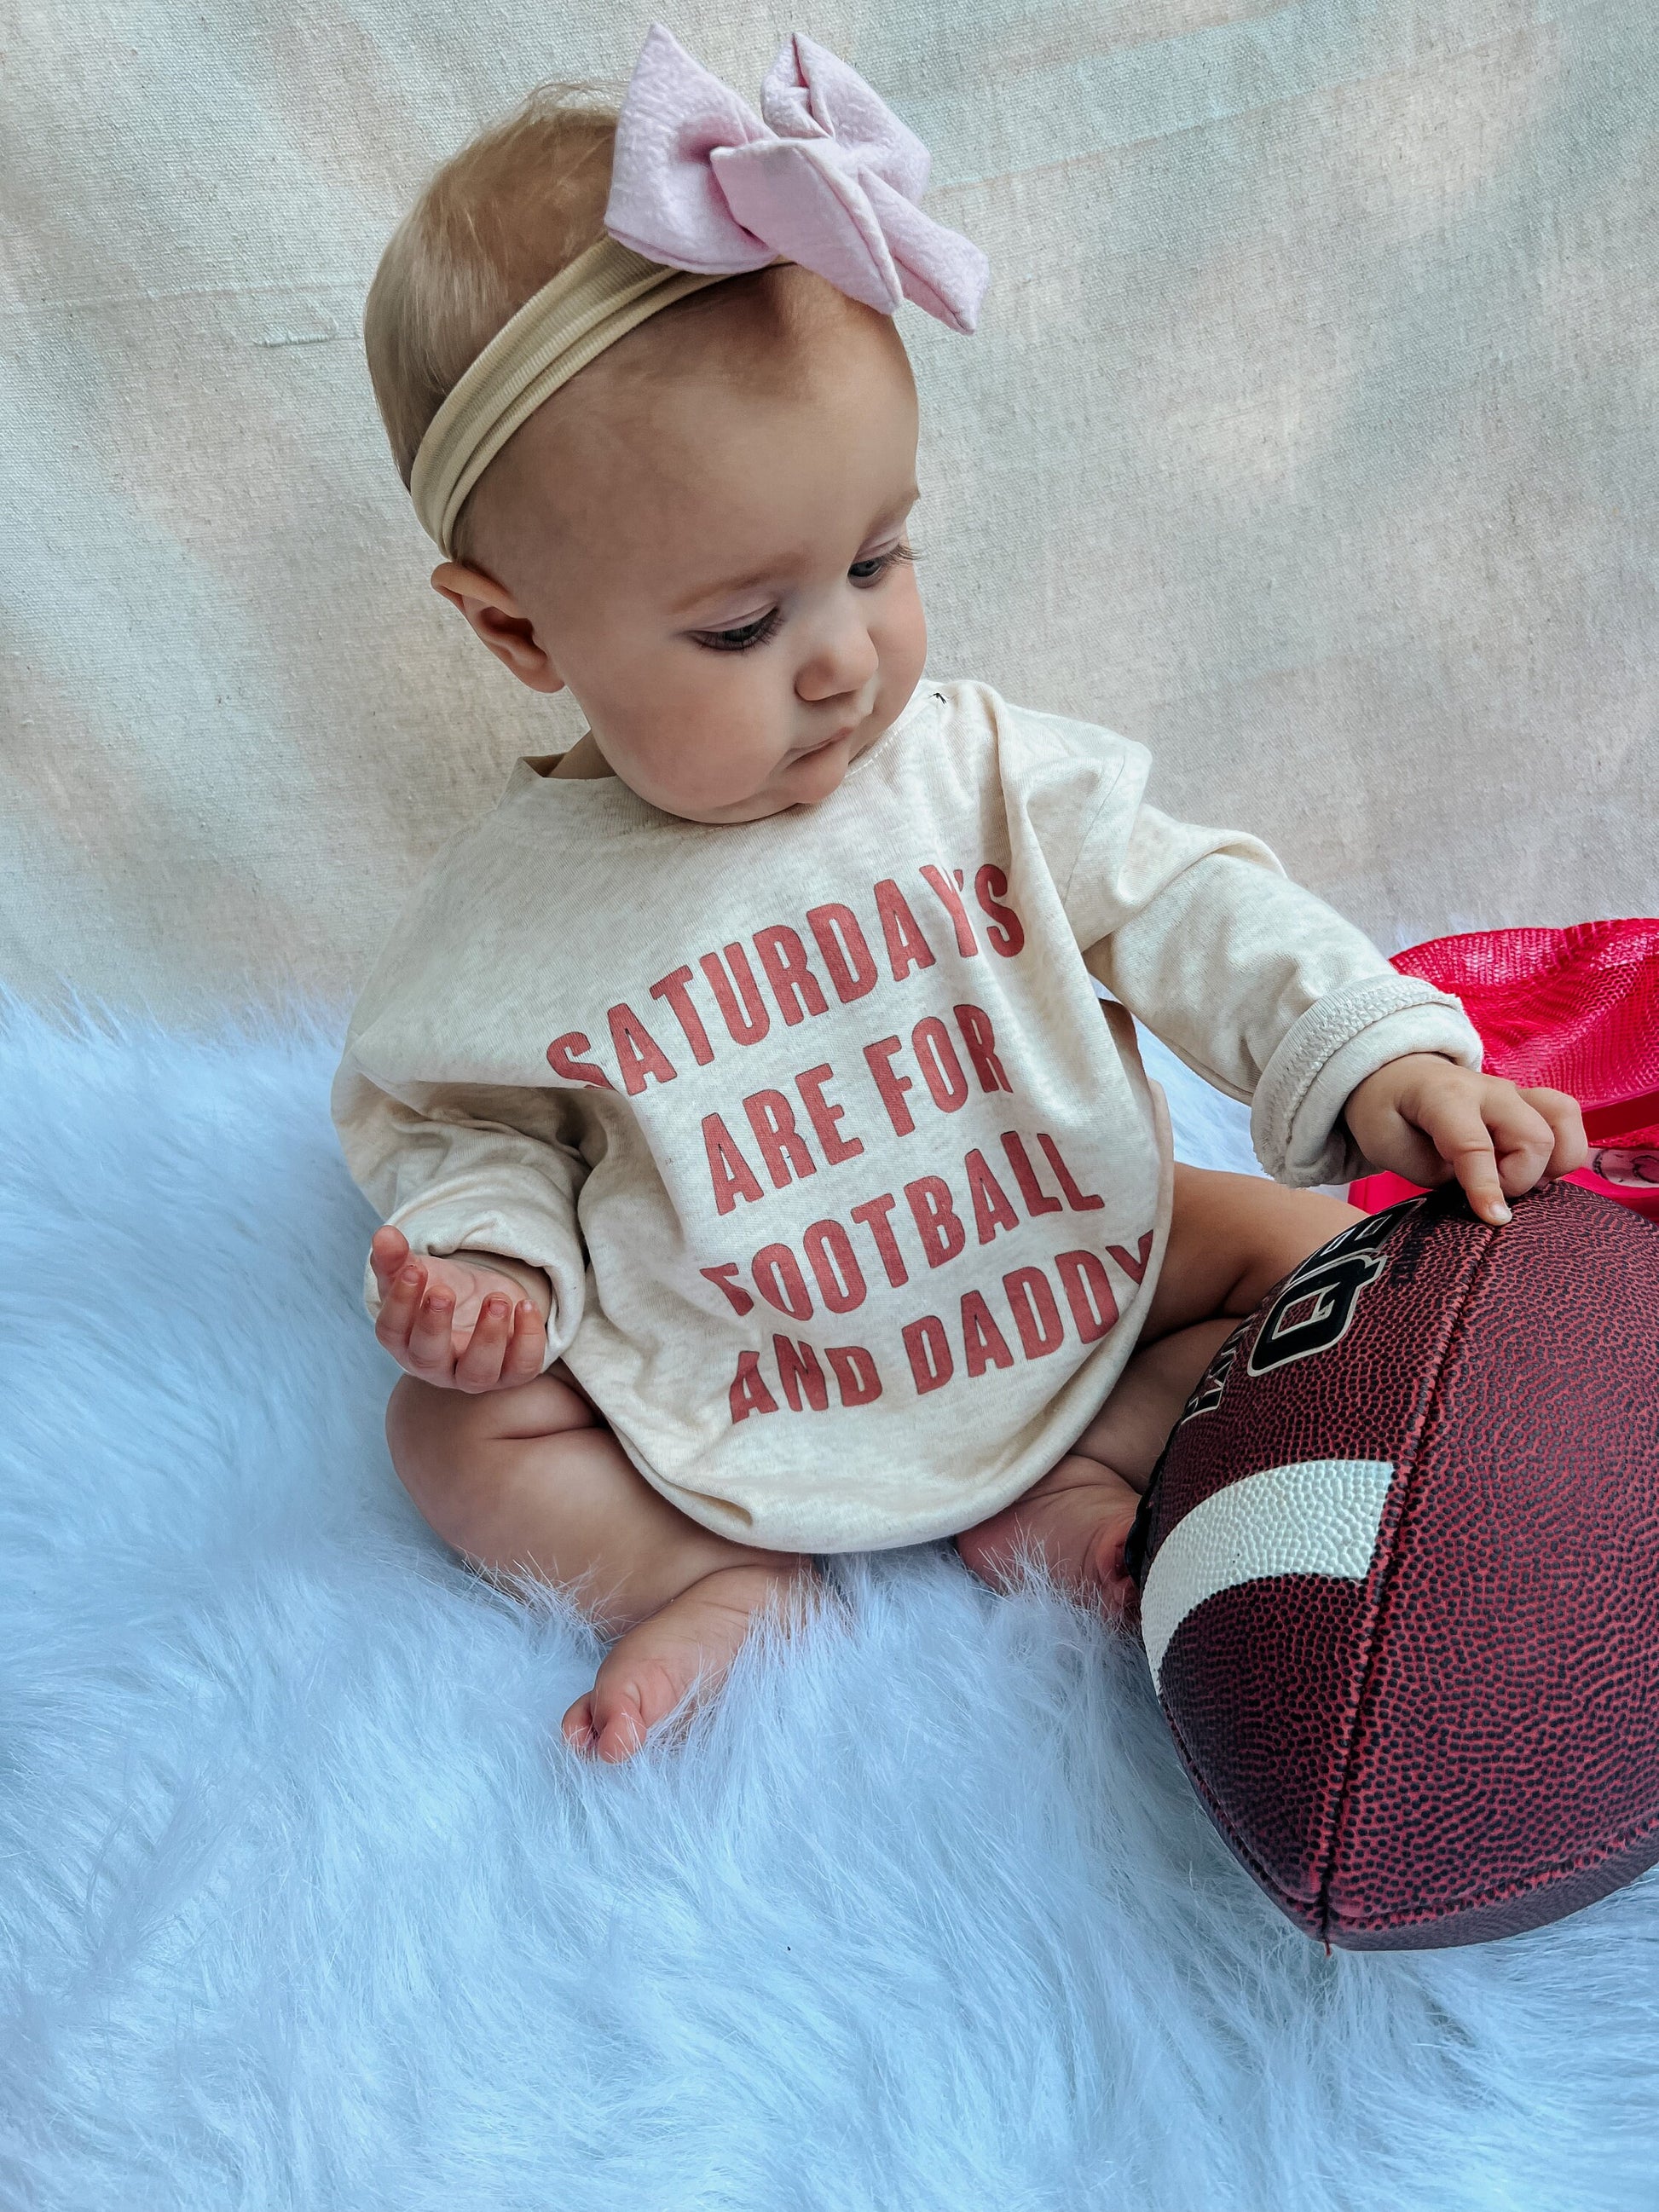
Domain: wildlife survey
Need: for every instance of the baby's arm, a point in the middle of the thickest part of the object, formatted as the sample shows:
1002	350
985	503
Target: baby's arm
475	1281
1273	996
472	1321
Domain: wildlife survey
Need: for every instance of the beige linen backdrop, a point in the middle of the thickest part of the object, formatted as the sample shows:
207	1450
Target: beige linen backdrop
1308	437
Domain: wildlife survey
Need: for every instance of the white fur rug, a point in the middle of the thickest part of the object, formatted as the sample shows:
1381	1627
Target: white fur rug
304	1905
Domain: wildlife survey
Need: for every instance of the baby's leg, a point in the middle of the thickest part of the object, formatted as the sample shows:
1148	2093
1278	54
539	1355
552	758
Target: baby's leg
529	1481
1232	1237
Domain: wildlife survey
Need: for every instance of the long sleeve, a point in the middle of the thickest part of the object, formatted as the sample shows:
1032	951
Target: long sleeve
1256	983
436	1165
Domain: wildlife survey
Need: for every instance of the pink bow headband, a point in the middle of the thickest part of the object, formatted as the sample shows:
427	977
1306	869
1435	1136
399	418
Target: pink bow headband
703	188
830	179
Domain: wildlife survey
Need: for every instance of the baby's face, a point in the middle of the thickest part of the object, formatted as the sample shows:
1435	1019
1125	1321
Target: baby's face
720	577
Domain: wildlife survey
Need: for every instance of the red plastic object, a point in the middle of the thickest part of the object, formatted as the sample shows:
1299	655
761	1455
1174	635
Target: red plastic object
1574	1010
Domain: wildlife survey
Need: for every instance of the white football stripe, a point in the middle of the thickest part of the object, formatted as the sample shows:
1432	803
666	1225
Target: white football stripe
1318	1517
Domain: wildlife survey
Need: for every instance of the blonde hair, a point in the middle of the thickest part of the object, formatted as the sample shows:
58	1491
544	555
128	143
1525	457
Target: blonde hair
498	221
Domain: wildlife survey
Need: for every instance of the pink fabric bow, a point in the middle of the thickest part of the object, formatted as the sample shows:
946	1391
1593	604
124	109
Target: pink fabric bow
831	179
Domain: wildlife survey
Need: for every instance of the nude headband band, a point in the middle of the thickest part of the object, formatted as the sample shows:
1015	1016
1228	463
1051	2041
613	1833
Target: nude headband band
588	306
703	188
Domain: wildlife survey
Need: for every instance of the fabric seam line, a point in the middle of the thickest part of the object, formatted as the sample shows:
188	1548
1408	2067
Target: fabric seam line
1088	831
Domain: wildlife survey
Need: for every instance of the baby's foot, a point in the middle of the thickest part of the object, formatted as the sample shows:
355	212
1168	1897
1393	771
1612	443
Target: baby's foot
1075	1523
693	1640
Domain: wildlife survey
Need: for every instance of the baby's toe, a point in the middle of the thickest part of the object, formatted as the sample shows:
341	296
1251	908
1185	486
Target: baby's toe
619	1730
580	1732
634	1692
1119	1599
607	1724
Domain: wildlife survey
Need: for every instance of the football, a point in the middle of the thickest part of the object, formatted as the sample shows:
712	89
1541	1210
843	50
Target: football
1399	1573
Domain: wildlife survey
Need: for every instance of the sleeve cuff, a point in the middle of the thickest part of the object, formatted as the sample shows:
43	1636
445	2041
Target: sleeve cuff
1295	1119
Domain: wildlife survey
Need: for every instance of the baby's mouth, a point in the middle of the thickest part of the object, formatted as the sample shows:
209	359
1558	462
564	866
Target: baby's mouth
806	752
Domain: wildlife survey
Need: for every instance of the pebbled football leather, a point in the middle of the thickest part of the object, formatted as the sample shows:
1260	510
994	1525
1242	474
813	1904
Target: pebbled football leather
1466	1744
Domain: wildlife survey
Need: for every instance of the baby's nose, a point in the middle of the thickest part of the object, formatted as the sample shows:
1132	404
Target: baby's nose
841	663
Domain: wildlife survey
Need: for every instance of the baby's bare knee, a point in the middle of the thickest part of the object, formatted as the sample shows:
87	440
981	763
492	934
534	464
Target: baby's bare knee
453	1449
1232	1237
1288	1225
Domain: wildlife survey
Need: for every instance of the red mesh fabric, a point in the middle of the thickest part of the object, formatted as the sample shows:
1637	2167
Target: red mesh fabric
1577	1010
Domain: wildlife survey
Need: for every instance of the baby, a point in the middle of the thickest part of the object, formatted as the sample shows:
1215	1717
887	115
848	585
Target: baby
763	1175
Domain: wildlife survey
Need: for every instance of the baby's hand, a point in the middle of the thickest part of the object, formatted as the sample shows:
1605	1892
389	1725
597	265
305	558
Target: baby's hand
454	1322
1427	1119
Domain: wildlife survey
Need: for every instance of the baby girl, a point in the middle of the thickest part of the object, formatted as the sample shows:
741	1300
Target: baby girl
763	1175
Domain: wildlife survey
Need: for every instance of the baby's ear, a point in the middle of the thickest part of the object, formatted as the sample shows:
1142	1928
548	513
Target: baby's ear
454	582
494	616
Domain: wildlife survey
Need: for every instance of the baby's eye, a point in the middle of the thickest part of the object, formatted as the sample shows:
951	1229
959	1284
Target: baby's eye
867	571
749	635
739	640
